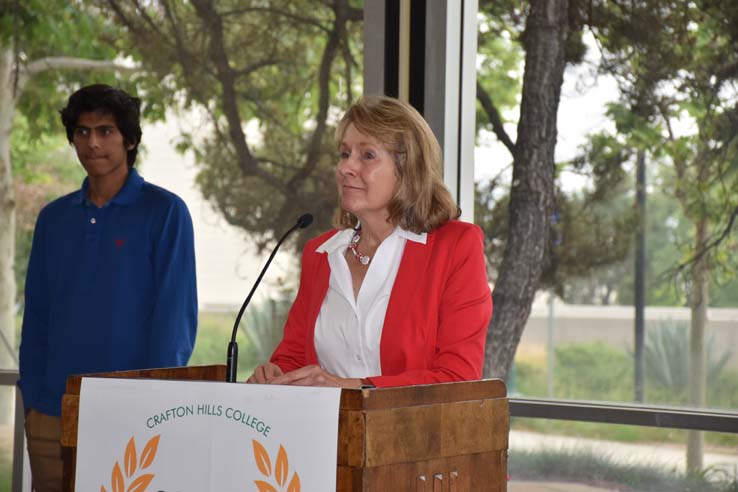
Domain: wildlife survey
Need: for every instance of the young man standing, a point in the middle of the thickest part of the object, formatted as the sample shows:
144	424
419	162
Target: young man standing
111	278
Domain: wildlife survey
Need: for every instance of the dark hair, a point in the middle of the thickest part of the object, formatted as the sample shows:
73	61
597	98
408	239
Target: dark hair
125	108
422	201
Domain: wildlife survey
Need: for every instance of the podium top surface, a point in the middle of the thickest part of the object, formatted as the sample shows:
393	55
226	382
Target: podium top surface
368	399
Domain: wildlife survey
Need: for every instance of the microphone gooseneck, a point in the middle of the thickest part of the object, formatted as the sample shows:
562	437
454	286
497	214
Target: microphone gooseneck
232	356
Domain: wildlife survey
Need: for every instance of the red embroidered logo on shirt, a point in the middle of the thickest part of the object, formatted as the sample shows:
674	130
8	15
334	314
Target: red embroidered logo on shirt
119	243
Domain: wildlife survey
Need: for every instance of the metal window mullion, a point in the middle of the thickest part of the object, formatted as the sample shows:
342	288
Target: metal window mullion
668	417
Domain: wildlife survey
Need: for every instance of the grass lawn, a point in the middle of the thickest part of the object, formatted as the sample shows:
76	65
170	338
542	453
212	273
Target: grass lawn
602	373
6	443
597	470
211	346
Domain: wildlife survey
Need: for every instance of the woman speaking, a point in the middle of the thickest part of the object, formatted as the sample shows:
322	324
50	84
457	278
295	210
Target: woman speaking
397	294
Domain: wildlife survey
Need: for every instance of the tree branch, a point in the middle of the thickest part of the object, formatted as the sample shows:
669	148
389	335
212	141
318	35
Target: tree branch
726	73
72	63
494	118
354	14
304	20
248	163
68	63
255	66
710	246
214	25
324	77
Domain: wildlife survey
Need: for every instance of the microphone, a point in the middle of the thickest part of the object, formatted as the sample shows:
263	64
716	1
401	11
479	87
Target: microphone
232	357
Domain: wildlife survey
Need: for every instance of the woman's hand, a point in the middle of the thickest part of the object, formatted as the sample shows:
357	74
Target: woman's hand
315	376
265	373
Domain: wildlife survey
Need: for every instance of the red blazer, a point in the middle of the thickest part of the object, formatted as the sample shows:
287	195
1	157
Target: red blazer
437	317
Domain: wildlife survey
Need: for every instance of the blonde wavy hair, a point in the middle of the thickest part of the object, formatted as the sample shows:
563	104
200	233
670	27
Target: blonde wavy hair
422	201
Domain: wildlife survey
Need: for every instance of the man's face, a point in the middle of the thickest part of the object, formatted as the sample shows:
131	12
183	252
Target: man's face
99	145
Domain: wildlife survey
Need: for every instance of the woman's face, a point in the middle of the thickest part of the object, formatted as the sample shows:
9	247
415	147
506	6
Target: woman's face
365	175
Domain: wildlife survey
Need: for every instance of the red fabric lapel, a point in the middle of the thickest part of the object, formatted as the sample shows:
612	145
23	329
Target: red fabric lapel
410	277
319	290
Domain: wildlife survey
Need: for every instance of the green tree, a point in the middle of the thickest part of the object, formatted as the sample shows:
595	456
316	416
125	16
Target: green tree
680	71
549	35
46	47
268	77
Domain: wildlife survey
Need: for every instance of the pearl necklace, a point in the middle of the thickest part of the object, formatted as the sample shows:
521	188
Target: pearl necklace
361	258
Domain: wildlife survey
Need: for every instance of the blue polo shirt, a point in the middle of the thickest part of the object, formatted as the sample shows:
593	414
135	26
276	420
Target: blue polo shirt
107	289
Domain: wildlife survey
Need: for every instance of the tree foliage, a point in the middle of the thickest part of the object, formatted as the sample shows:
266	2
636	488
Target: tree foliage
44	168
586	232
47	38
271	79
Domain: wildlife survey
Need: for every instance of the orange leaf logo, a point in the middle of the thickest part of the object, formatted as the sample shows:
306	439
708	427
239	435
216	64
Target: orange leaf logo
116	479
131	464
130	458
262	459
282	467
149	452
264	486
140	484
281	470
294	484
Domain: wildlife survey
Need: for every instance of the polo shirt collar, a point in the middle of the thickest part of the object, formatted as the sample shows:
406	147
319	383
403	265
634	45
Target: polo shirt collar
342	238
127	194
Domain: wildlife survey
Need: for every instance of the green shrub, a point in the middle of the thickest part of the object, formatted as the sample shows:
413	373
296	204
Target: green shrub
258	333
213	334
599	372
530	378
593	371
723	392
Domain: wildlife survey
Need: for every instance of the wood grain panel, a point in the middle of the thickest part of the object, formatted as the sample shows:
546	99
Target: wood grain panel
469	473
403	434
435	431
485	426
405	396
351	431
189	373
69	420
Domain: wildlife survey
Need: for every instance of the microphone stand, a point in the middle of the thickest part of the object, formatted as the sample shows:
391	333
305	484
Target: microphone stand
232	357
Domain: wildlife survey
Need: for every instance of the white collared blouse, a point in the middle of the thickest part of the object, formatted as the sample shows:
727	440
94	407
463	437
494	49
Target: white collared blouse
349	329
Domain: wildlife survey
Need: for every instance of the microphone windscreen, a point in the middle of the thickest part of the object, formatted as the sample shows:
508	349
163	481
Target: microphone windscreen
304	221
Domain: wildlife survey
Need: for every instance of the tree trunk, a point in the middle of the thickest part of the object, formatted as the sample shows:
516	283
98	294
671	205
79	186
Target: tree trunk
532	191
7	225
698	300
639	301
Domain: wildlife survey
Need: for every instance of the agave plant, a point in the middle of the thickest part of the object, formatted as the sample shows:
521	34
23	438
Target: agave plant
666	355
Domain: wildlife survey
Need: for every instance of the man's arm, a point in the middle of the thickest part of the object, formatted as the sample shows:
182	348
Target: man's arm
34	335
174	321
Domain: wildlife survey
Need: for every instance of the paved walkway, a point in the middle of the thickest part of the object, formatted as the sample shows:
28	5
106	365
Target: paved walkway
527	486
667	456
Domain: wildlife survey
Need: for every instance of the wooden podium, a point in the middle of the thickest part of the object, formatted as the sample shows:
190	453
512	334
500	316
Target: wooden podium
449	437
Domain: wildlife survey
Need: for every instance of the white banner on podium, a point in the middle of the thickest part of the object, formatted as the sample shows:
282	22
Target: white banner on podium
182	436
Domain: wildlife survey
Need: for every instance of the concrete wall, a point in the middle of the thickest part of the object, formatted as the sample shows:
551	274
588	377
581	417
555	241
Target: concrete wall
614	325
